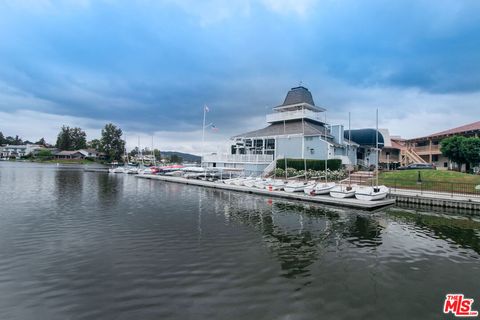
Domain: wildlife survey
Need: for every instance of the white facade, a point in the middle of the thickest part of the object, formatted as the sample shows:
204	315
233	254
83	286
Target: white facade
17	151
295	130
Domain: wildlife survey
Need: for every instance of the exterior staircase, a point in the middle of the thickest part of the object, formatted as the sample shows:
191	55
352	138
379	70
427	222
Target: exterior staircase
271	166
409	155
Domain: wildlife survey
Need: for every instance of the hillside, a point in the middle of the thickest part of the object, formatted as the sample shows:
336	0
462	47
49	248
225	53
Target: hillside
187	157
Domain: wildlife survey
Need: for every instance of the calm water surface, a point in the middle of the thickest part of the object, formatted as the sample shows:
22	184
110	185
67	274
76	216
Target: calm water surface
81	245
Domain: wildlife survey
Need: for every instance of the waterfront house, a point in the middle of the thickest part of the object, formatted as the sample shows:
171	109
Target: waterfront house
69	155
296	129
17	151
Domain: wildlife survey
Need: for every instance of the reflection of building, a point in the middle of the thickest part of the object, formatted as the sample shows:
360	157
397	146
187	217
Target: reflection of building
427	149
296	129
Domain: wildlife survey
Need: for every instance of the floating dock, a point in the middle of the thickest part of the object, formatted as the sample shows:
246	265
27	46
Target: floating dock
348	202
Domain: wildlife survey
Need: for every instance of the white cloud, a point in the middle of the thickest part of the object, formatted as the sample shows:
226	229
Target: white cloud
286	7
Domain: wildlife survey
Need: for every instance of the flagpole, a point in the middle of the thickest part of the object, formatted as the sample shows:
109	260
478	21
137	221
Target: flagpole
203	133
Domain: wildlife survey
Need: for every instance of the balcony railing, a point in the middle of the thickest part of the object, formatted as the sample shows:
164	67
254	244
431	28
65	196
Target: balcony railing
427	149
291	115
239	158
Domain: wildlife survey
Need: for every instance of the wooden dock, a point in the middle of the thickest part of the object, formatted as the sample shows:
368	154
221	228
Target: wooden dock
349	202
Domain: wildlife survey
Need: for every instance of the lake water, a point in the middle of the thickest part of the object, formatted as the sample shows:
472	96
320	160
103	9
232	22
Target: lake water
84	245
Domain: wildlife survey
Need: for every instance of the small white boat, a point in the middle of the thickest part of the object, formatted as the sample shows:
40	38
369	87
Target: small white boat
371	193
343	191
275	185
297	186
229	181
319	188
261	184
132	170
251	182
174	173
117	170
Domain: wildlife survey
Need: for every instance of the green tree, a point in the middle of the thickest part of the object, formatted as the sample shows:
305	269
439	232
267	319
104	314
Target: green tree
451	148
470	150
41	142
71	139
2	139
112	143
157	154
17	140
64	139
44	154
134	152
95	144
79	138
9	140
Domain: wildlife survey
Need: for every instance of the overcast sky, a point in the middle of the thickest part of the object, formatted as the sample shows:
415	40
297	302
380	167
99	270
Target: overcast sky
150	66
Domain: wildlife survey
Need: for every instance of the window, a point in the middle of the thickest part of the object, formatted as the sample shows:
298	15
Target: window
445	164
270	144
435	157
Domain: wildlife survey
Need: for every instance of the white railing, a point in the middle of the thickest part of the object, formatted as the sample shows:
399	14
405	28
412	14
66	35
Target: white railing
290	115
253	158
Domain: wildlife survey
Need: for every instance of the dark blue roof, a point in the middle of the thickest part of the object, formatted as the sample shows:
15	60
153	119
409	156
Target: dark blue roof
365	137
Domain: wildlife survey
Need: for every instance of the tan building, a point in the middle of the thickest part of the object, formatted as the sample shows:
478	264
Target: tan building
427	149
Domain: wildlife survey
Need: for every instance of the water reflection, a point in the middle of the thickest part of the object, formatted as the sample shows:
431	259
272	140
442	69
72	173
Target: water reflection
109	188
68	186
463	231
364	231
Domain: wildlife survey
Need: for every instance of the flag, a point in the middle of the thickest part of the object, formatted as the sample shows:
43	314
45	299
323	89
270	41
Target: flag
206	109
214	128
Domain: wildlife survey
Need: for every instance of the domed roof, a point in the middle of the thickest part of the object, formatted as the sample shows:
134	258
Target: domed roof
366	137
298	95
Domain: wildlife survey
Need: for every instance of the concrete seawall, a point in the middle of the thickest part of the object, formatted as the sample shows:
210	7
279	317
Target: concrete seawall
436	200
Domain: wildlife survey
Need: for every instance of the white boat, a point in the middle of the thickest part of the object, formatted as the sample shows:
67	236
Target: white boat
117	170
319	188
132	170
229	181
241	181
193	175
261	184
371	193
297	186
343	191
375	192
275	185
174	173
251	182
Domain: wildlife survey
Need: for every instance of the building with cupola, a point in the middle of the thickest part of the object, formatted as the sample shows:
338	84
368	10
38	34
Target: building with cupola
297	128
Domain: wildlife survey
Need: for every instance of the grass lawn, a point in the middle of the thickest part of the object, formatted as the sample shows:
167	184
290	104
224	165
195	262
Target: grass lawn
438	180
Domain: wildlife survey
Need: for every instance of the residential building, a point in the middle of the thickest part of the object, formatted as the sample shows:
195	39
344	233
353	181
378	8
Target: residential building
427	149
17	151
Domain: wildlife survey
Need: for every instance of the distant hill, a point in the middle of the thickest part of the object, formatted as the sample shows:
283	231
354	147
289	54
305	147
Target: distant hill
187	157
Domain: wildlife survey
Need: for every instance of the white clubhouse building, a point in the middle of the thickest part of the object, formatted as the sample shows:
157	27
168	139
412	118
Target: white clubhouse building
296	129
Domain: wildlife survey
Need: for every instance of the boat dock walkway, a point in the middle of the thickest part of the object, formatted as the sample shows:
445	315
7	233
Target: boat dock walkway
348	202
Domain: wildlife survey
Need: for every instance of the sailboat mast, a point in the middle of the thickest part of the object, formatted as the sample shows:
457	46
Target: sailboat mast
376	136
326	155
303	144
349	147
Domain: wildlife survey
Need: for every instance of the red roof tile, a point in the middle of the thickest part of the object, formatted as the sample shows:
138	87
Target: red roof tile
468	127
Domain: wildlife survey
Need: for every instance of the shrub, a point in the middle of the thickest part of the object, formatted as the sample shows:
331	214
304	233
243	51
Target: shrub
299	164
